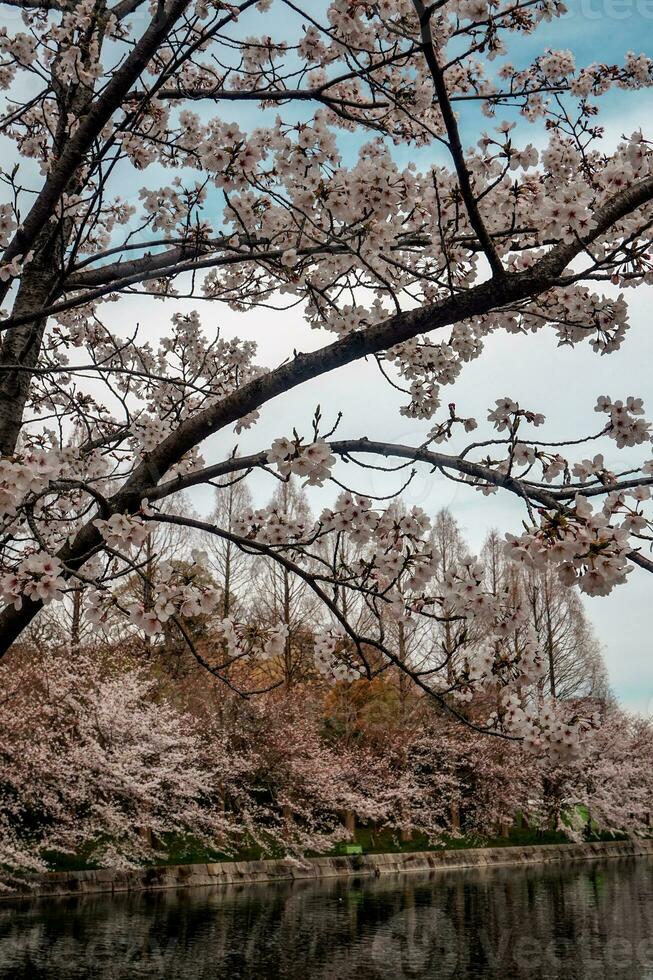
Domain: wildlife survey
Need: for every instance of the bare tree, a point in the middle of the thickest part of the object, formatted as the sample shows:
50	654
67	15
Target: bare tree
282	599
234	571
574	664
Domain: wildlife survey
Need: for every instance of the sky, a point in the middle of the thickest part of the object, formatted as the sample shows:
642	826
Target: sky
561	383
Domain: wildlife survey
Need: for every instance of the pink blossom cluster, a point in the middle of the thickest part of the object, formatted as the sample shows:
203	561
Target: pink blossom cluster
24	475
584	546
331	663
544	726
626	426
39	577
312	462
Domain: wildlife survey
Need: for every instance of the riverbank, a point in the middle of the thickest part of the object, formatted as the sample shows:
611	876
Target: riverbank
62	883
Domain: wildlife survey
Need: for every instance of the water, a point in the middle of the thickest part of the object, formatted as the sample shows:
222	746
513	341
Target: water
587	920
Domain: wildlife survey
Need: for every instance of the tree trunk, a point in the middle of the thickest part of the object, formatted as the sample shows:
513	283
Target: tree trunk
287	649
77	615
21	348
455	817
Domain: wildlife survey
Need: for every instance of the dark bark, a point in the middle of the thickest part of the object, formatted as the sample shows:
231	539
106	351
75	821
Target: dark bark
19	353
487	296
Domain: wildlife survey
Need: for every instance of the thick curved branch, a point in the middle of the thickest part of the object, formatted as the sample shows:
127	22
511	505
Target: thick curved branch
484	298
192	255
125	7
553	499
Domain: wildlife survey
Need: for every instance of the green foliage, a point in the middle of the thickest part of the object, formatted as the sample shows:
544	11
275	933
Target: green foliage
185	850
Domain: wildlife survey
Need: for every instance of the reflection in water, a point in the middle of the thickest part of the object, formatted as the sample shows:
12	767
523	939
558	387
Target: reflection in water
582	922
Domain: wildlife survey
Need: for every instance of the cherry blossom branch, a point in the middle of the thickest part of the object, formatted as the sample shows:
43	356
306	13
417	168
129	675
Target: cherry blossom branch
477	300
553	498
98	115
457	151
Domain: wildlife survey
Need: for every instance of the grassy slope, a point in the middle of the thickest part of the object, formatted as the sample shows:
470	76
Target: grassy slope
185	851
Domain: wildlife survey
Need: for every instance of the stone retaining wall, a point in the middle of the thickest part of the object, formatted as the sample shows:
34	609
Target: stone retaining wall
245	872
